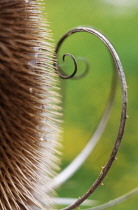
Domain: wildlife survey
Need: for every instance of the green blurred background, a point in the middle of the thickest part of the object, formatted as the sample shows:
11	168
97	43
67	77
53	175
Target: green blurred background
84	99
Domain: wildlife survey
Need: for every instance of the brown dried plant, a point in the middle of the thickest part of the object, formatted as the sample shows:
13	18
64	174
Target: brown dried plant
29	111
28	98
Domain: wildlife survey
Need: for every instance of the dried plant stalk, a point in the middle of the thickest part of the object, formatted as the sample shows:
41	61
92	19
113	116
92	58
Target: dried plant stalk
123	118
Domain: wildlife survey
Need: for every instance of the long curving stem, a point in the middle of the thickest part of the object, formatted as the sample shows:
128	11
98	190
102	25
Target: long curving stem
120	71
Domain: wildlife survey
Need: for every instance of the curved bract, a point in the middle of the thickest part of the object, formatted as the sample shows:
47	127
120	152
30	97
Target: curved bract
66	173
87	150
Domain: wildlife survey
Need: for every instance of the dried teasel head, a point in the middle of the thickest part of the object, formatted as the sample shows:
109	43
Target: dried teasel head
28	107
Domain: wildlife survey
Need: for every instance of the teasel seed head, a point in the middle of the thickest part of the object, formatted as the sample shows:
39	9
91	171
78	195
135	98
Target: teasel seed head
29	107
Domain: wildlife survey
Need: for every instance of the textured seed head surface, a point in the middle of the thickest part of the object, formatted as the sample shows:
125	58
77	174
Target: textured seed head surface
28	108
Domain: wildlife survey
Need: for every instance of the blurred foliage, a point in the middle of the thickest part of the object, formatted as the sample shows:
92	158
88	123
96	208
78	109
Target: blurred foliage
84	100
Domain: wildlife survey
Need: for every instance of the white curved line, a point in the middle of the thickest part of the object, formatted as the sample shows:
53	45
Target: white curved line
81	158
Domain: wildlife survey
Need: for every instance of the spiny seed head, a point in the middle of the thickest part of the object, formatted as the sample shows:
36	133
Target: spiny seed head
28	107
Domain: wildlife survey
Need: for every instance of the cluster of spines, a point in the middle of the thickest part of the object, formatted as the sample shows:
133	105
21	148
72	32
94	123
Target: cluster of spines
28	108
